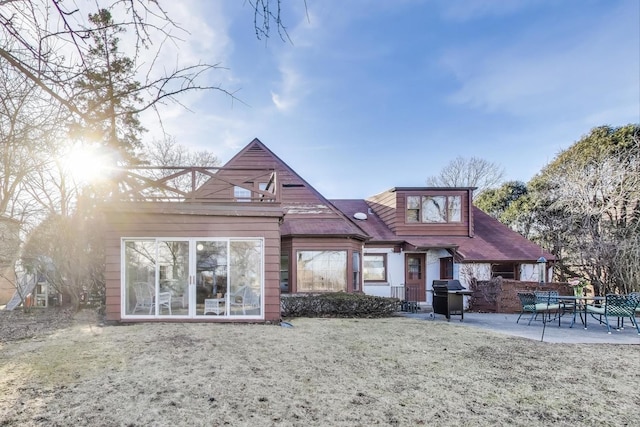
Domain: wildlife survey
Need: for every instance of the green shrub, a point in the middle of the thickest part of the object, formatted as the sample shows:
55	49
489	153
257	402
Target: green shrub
338	304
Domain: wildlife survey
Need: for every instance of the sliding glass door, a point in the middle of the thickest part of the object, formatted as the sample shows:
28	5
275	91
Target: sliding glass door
192	277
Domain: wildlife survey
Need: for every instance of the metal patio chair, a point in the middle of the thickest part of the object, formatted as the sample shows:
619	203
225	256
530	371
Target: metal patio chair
544	303
637	295
616	306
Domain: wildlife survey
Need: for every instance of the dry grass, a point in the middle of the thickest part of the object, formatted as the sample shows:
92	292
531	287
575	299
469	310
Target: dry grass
336	372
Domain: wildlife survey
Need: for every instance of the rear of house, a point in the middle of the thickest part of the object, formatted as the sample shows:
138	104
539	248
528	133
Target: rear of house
228	249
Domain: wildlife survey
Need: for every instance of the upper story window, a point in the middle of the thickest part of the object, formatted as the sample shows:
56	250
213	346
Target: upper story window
241	194
434	209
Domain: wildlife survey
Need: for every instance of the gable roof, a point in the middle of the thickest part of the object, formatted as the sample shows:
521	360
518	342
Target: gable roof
307	212
492	242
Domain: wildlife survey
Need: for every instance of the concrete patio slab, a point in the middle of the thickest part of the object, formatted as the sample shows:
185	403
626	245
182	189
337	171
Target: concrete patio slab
506	324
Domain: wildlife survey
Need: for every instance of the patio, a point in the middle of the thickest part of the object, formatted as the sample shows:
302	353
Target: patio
506	324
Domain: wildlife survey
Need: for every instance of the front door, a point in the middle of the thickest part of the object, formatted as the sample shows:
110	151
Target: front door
415	274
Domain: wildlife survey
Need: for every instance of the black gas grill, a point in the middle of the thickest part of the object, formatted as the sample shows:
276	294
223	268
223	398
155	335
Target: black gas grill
448	298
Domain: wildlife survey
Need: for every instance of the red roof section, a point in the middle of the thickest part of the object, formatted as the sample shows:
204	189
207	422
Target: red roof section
493	241
373	225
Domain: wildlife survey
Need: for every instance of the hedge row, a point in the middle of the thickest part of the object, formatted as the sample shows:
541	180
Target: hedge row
338	304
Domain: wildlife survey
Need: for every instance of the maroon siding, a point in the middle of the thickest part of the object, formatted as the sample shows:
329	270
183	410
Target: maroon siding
384	205
292	188
440	229
130	224
390	207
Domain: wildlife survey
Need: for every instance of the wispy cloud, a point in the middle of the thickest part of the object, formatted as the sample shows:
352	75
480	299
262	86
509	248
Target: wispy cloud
474	9
292	88
554	72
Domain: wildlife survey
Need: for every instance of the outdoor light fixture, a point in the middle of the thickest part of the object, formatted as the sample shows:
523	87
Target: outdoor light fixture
542	267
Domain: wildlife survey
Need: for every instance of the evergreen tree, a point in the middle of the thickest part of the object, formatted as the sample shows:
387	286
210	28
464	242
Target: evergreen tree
109	93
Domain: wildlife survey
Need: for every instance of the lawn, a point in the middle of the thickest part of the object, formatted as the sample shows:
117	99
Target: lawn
320	372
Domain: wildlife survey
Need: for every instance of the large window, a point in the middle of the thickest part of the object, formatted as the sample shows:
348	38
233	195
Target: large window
434	209
320	271
375	268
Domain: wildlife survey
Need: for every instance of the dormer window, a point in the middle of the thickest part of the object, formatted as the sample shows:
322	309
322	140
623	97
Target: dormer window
434	209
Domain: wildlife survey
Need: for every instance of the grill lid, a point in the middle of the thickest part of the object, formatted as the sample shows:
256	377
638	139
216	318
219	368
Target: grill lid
450	285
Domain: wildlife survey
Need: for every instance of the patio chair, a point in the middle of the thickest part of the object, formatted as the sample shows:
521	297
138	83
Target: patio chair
618	306
543	303
144	296
164	300
637	295
245	298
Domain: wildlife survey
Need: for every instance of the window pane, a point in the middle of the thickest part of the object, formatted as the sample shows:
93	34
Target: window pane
434	209
455	208
211	277
356	271
413	208
245	277
414	268
241	194
505	270
322	271
374	268
139	276
173	267
284	273
446	268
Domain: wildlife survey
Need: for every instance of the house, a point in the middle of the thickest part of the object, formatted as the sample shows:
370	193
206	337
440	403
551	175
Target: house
9	253
226	250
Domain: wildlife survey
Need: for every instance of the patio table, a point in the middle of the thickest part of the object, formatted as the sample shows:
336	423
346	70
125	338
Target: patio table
579	304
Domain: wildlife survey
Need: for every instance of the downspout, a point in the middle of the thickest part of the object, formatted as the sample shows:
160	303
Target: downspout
470	204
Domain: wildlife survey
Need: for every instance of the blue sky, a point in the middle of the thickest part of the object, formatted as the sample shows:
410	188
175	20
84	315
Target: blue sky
370	95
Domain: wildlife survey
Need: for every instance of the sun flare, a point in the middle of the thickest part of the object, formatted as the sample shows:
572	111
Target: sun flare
85	164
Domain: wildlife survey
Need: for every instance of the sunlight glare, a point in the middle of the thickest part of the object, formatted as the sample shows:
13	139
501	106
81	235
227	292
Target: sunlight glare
85	163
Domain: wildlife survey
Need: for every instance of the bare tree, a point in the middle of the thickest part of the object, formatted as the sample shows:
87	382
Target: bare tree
468	172
29	131
600	202
48	44
49	51
167	154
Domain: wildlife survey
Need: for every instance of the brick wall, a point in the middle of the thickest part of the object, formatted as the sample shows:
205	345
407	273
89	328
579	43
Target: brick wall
501	296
